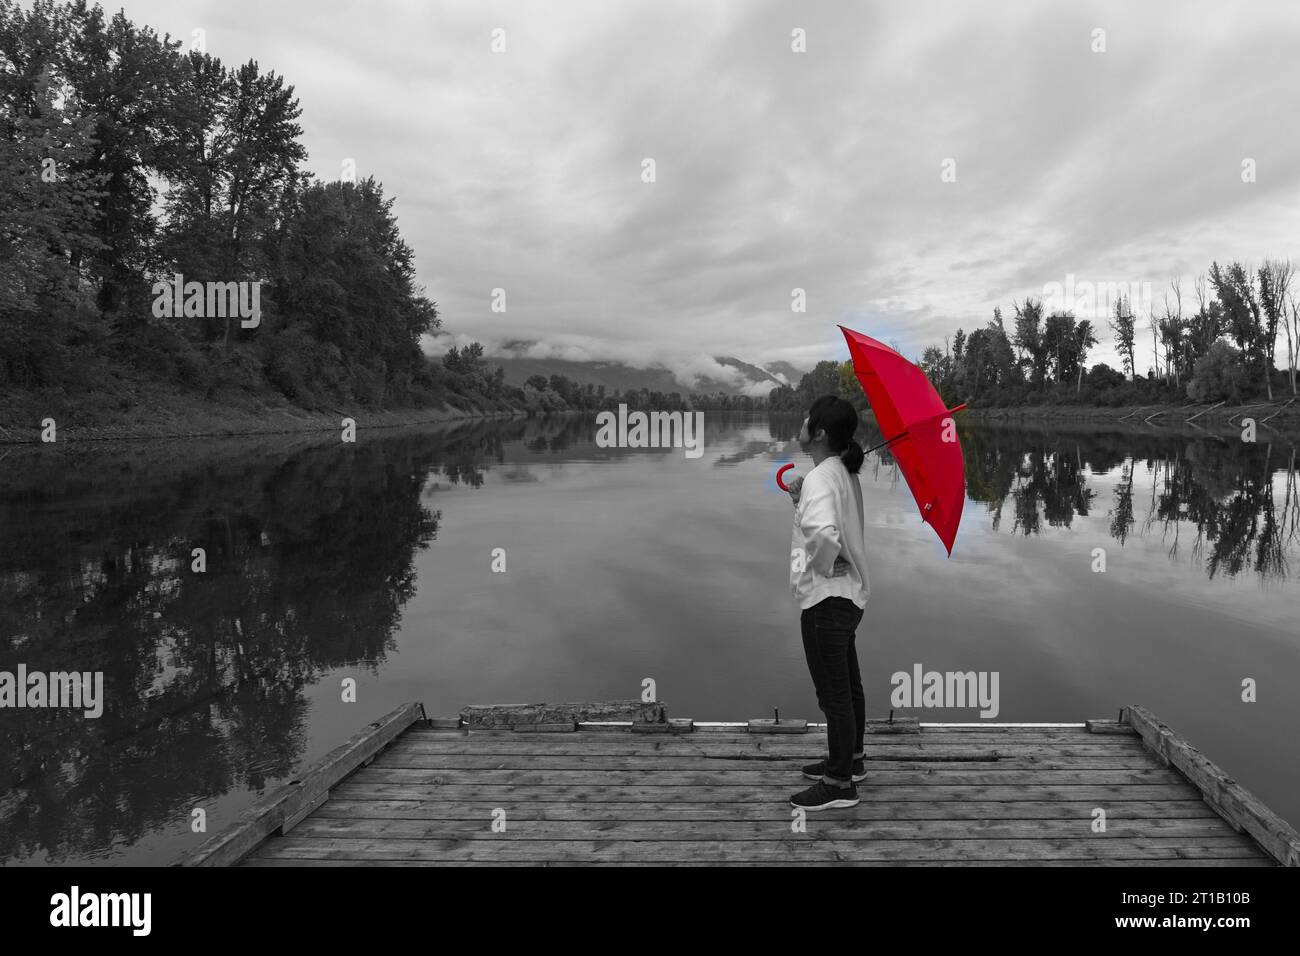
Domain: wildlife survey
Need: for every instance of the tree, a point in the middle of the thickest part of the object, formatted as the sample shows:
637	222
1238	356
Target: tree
239	139
1173	338
1123	325
1029	338
46	140
824	379
348	306
1235	289
126	77
850	388
1060	346
1291	321
1274	288
1218	376
1084	339
1205	327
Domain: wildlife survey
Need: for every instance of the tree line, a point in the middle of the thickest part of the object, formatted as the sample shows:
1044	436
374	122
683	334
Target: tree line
1220	344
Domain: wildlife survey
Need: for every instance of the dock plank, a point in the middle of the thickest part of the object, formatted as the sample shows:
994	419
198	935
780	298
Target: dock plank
676	811
777	792
950	774
465	763
1115	862
1189	831
652	851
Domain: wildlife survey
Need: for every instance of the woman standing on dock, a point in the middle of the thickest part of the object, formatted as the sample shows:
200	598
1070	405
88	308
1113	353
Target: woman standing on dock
828	576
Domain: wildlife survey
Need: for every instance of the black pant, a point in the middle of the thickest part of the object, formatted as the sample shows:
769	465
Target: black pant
829	637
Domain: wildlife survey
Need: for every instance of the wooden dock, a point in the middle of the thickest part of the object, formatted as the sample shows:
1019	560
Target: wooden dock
437	793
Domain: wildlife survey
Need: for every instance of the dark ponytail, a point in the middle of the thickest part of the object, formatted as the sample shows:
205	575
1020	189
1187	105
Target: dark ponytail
853	456
839	419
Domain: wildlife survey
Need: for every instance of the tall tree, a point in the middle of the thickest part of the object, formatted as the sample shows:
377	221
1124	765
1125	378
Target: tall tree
1291	321
46	194
1060	346
1123	324
126	78
345	278
239	133
1172	331
1084	339
1029	338
1239	299
1274	287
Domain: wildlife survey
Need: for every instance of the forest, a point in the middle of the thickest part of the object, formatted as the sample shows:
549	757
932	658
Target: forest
135	172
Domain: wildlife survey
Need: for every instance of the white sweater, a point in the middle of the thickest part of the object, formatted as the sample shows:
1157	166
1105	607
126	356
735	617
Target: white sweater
828	523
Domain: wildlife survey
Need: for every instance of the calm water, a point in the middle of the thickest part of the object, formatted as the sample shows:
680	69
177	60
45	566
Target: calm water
373	561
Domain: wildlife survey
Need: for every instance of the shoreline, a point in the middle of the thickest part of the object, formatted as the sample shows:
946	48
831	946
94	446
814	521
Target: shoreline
229	422
1205	415
179	418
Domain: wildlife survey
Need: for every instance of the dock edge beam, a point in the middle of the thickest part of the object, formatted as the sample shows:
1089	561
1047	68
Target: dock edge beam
1237	805
289	804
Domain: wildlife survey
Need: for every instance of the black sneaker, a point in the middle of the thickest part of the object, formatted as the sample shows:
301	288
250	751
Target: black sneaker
815	771
822	796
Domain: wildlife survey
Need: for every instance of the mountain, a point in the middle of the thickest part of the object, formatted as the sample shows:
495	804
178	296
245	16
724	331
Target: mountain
791	373
622	377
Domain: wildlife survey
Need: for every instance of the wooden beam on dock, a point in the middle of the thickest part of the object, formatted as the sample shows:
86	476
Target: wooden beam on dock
283	809
477	717
1230	800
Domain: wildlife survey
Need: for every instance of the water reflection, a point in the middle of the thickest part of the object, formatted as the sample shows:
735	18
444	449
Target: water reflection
308	563
310	560
1234	505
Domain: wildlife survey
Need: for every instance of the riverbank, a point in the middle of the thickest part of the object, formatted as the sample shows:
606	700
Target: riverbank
146	413
1279	415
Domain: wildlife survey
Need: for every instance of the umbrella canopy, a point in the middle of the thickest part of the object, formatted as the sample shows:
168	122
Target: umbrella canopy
911	416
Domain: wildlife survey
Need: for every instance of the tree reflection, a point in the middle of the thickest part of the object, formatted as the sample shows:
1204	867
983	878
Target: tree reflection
1238	500
309	562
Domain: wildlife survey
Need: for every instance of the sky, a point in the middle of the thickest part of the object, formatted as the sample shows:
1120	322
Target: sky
915	166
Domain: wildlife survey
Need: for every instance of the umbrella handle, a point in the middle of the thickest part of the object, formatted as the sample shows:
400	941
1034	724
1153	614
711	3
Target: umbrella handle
781	471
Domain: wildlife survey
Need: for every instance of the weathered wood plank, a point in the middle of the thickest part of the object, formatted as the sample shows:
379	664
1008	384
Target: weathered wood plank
778	793
1253	862
1189	831
567	727
1236	804
987	734
1099	726
490	716
948	774
649	851
768	725
285	805
702	745
775	764
671	810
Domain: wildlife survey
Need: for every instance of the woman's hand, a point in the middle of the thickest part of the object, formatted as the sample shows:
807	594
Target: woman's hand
794	487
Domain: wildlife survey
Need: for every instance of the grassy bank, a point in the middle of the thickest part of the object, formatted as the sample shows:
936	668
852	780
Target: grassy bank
138	411
1284	418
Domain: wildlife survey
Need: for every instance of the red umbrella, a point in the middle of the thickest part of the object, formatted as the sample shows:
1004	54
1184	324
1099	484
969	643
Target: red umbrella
912	416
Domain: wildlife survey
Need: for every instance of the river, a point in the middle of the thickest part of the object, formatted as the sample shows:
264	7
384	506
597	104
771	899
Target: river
374	561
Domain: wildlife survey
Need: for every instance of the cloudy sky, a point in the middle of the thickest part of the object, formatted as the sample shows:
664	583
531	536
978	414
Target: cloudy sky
775	170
